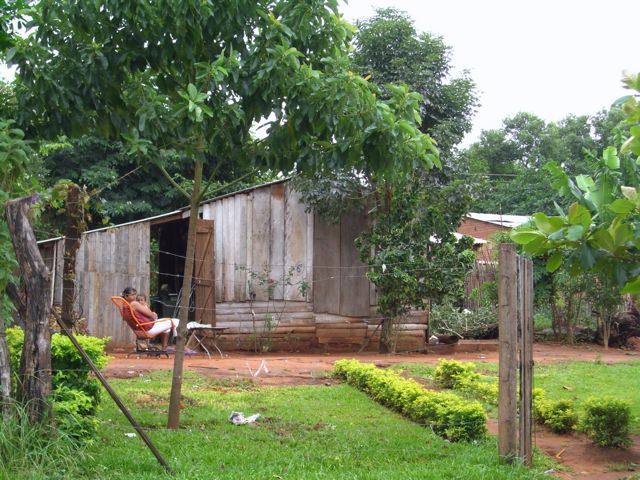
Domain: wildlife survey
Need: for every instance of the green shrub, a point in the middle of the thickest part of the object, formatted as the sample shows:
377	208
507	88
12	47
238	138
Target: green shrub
606	421
559	415
76	395
487	391
448	415
450	373
15	339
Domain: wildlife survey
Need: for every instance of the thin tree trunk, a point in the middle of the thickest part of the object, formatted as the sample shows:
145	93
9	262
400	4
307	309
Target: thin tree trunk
173	421
72	233
34	385
386	334
5	373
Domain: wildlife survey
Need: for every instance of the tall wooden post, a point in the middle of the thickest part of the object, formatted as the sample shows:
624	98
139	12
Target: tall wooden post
525	314
507	394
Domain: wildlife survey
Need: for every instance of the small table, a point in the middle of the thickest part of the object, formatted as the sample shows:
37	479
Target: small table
199	333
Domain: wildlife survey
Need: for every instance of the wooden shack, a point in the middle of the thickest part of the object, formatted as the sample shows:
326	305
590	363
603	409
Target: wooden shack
274	275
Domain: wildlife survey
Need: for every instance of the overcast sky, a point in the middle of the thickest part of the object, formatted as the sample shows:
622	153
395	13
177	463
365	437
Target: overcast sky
548	57
551	58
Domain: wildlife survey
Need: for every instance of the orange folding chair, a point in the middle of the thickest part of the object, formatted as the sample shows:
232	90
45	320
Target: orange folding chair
143	338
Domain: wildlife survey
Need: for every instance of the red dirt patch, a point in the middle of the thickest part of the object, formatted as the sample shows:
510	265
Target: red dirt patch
580	457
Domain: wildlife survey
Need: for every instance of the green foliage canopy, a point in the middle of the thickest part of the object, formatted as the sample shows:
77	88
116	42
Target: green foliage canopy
196	77
390	50
600	231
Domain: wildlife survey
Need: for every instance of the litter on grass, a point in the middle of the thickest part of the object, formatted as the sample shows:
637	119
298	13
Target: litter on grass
238	418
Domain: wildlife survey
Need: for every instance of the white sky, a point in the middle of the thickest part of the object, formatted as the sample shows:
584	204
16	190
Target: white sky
547	57
550	58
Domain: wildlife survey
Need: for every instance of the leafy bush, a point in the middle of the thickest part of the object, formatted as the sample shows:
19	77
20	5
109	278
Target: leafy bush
15	339
75	395
559	415
449	373
448	415
606	421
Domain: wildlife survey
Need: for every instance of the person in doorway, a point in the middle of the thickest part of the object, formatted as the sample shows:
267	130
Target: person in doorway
160	326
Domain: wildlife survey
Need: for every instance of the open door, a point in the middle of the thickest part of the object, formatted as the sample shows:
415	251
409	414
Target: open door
204	274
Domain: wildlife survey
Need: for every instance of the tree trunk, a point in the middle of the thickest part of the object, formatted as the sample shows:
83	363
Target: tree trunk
5	373
173	421
568	320
34	384
386	336
72	232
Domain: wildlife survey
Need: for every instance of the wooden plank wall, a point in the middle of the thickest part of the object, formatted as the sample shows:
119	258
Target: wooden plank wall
107	262
261	235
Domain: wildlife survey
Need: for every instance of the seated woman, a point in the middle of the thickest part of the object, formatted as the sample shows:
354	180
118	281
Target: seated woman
160	327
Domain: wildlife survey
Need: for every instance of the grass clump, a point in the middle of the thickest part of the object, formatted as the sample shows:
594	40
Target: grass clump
35	450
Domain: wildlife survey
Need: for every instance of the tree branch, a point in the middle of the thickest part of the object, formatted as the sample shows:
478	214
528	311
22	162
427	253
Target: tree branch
227	185
173	182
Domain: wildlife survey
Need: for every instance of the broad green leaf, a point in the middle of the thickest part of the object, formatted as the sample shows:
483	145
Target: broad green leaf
554	262
536	246
547	225
558	234
585	182
622	206
621	233
524	237
193	91
610	158
602	239
632	286
587	257
575	232
579	215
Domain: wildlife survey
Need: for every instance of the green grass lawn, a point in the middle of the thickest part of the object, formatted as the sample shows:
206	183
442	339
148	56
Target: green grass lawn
309	432
569	380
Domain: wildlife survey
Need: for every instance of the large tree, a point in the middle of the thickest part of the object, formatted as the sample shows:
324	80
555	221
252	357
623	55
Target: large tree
506	165
389	49
194	77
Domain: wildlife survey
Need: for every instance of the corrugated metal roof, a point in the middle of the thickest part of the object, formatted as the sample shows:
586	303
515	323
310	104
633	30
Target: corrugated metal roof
509	221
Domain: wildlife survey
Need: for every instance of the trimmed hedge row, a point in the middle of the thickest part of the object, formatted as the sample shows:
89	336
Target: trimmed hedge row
447	414
605	420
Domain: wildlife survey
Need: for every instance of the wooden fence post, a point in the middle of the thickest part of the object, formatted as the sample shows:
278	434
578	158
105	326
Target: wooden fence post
507	396
525	317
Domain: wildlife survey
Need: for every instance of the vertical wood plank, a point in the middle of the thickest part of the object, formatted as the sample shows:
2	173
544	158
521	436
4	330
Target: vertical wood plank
249	244
228	259
308	261
507	391
261	241
277	266
295	244
354	284
240	234
326	267
204	273
57	296
219	250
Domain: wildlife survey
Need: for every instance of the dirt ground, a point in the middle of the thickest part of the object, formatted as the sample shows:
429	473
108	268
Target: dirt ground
579	457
